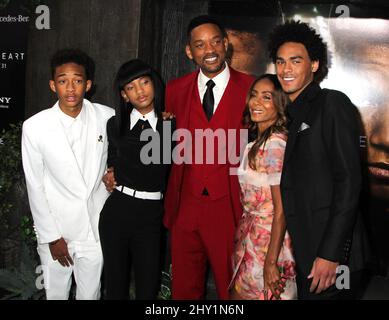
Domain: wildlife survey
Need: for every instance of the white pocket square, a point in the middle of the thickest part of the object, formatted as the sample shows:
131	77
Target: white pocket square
303	127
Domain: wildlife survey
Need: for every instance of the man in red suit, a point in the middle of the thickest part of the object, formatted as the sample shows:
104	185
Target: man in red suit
202	205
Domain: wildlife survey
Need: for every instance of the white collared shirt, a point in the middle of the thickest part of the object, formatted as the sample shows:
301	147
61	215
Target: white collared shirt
221	81
150	117
76	133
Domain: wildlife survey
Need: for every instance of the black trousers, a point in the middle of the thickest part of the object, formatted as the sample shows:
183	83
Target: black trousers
130	233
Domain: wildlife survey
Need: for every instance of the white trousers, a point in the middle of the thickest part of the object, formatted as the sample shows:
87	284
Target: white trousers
87	268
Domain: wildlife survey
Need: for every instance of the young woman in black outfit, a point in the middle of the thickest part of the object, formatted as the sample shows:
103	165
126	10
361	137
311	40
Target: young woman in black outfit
131	220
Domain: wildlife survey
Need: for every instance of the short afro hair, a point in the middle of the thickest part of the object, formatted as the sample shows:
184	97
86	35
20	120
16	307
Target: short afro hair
73	56
297	31
204	19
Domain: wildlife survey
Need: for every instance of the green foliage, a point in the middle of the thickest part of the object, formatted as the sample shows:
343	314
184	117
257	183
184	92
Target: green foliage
16	229
10	171
3	4
27	231
20	283
165	293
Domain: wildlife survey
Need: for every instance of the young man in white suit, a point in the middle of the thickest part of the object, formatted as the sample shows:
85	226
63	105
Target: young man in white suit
64	151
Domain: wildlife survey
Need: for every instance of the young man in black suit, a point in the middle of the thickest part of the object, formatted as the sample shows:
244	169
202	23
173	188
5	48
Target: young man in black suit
321	177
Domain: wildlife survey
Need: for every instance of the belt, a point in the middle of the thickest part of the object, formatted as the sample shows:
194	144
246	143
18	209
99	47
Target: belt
140	194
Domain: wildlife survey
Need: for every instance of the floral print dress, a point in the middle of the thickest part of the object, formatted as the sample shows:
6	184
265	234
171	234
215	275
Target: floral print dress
253	233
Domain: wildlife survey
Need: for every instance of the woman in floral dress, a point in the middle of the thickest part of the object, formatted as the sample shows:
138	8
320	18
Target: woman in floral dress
263	263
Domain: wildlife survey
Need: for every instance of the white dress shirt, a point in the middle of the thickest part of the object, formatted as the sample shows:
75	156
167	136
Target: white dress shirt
150	117
221	81
76	132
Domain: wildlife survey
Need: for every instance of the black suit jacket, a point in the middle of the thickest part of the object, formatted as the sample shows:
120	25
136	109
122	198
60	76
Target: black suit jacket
321	180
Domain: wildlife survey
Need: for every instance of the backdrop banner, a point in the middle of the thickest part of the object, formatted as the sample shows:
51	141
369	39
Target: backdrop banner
14	24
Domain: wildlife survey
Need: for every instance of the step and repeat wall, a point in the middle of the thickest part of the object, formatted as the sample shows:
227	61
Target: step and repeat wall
14	24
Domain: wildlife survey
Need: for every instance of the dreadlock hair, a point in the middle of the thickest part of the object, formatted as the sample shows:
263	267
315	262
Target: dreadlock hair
280	100
297	31
128	72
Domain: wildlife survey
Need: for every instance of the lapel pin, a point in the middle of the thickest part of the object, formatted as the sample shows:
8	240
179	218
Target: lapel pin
100	138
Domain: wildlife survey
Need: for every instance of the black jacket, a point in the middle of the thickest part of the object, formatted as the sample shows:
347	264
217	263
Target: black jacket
321	180
124	154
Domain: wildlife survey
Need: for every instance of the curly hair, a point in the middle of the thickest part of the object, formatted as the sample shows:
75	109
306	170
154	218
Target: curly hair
73	56
297	31
280	100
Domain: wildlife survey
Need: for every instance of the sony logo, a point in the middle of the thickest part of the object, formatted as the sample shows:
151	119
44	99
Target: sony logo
5	100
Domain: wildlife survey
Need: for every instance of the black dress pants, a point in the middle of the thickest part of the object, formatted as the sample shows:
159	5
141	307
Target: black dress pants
130	233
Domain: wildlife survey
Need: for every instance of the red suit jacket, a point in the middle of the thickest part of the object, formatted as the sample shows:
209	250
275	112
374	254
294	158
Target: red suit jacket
181	95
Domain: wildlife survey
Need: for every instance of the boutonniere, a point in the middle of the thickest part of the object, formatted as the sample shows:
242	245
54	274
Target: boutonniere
100	139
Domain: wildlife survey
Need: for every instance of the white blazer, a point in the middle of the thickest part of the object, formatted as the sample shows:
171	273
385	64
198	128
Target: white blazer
62	203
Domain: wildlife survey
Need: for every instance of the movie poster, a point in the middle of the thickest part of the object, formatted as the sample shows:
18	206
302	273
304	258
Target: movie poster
358	43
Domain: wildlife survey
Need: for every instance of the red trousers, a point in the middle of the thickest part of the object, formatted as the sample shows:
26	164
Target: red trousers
203	232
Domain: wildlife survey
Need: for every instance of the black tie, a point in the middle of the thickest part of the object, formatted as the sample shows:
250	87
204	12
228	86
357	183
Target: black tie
140	126
209	100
